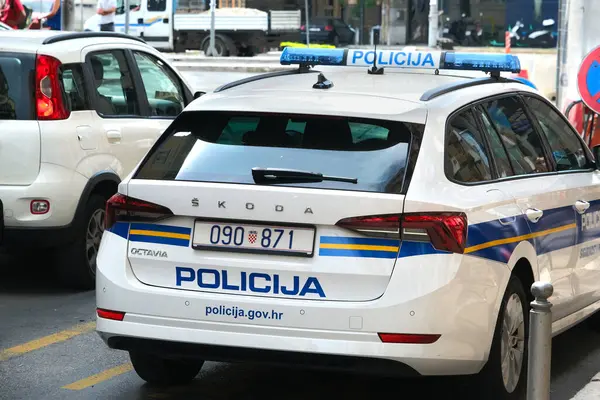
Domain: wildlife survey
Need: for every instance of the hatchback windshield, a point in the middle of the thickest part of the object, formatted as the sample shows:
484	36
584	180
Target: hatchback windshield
225	147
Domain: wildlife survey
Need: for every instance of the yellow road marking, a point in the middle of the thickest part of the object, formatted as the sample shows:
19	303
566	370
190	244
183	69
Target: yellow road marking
172	235
341	246
47	340
519	238
100	377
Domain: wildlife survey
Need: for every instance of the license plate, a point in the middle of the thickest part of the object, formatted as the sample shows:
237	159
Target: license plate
315	29
254	238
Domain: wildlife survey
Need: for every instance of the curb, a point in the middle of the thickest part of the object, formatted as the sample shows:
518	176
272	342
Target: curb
591	391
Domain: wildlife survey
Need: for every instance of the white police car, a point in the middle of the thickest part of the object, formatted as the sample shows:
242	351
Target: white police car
390	221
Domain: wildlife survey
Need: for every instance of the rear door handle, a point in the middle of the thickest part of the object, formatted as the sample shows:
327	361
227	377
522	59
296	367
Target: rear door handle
534	214
113	135
581	206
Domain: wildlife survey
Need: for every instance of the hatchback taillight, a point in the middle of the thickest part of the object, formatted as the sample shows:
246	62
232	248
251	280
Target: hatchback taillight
329	28
123	208
302	27
49	101
445	231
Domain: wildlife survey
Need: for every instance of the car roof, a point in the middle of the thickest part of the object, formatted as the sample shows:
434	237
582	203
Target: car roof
397	94
33	40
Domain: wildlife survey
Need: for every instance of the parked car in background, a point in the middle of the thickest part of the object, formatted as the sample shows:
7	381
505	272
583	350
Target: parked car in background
328	31
95	104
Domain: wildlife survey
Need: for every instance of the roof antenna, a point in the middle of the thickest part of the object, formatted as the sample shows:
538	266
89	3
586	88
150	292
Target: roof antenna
375	70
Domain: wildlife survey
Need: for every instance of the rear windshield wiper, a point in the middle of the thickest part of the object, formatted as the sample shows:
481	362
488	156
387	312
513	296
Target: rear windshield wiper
276	175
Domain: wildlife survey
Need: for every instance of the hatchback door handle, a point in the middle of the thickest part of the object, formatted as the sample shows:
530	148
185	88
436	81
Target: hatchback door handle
534	214
113	135
581	206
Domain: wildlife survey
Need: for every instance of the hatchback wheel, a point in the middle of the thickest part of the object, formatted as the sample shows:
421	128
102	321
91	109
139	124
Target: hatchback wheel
505	374
76	262
163	371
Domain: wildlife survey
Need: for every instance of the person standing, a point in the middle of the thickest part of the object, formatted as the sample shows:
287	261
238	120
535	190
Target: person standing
12	13
53	18
106	9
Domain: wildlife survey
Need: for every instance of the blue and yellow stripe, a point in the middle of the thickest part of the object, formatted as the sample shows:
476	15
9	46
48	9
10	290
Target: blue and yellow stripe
334	246
154	233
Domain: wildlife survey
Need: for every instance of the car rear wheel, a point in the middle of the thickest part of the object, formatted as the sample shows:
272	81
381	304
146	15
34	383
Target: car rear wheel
162	371
505	374
76	262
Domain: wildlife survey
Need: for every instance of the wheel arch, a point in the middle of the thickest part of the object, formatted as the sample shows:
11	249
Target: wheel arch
103	183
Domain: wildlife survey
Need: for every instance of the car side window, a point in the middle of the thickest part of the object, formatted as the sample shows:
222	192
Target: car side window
466	159
74	87
523	144
157	5
115	92
161	85
567	149
501	159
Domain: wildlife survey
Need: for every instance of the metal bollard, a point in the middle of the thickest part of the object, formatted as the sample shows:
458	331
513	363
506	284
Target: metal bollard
540	342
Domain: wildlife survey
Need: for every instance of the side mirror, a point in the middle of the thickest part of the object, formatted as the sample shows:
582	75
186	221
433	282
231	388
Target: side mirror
596	152
199	94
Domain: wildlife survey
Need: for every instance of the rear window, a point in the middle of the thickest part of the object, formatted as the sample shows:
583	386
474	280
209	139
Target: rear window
16	86
224	147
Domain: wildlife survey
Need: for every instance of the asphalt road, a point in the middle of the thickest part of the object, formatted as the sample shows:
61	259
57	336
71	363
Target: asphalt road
49	350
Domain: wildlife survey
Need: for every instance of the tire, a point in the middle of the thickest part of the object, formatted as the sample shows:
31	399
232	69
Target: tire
76	262
336	41
491	381
220	47
164	372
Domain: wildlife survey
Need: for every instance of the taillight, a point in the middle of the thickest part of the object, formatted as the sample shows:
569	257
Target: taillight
445	231
302	27
408	338
49	100
123	208
329	28
109	314
375	225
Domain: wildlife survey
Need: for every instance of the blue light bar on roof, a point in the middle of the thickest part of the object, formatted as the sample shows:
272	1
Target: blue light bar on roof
446	60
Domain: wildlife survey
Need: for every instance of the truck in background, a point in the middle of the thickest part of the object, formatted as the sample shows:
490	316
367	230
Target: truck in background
171	25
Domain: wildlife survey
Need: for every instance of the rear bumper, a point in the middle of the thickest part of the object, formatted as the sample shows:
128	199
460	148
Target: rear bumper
166	348
457	297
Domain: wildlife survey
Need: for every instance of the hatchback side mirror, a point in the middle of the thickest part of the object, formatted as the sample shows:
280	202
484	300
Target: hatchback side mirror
596	152
198	94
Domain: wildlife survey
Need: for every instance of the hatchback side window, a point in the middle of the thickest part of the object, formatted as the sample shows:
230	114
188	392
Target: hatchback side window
466	158
162	86
567	149
112	80
523	144
501	159
73	85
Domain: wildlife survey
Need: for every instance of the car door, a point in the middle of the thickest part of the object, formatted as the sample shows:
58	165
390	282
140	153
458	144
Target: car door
544	197
575	166
120	121
157	30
